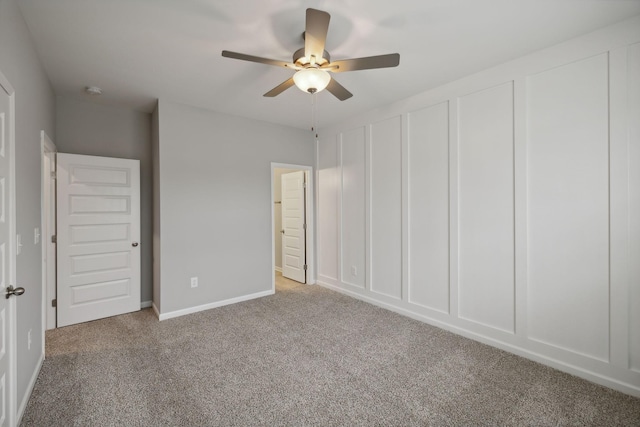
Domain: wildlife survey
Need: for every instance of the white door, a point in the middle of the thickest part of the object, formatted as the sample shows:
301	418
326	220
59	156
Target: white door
293	226
7	260
98	212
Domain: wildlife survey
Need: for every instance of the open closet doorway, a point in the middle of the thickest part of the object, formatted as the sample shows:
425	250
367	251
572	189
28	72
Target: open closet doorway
292	219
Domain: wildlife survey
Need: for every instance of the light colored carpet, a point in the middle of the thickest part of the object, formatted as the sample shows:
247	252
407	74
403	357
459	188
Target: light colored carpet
304	356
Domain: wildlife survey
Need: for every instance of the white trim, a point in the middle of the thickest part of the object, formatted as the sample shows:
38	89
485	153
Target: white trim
146	304
11	318
528	354
310	220
46	146
278	269
30	386
191	310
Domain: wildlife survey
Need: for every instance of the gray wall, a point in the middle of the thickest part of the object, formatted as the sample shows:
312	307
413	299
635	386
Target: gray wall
215	202
35	111
98	130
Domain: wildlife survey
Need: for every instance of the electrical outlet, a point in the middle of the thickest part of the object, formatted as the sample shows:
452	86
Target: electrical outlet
29	340
354	270
194	282
36	236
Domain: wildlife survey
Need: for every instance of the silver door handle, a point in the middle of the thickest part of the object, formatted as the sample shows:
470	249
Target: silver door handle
14	291
134	244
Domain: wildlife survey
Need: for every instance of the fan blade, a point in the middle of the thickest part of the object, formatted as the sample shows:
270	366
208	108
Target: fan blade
368	63
243	57
315	33
338	90
280	88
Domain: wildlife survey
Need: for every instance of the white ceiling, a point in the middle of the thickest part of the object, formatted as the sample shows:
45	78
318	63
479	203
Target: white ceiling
140	50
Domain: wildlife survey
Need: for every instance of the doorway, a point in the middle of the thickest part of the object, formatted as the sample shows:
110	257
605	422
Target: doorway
48	204
277	171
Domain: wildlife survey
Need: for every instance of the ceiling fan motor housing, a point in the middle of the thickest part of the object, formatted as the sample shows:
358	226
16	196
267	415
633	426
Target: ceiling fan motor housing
301	61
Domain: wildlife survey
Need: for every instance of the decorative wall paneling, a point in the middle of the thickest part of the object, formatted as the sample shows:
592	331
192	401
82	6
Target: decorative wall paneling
504	206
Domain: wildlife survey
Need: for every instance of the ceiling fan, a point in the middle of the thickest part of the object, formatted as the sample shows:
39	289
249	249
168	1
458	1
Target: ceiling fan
312	63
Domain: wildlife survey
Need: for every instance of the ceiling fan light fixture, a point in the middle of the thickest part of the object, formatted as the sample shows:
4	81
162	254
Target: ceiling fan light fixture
311	80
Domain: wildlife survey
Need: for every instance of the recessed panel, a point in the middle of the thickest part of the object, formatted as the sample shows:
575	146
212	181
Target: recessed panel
386	207
429	207
3	132
112	177
292	261
327	209
568	207
3	200
486	208
3	334
80	205
3	394
99	233
94	263
292	242
94	292
3	265
353	207
291	224
633	73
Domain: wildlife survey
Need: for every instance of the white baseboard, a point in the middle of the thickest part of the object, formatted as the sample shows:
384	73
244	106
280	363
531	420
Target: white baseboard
278	269
146	304
560	365
190	310
27	394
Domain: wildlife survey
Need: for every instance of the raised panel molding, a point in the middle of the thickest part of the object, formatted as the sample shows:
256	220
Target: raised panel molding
353	253
568	207
565	125
386	207
486	208
429	207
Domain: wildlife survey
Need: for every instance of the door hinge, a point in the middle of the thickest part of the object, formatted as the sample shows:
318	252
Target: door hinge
54	302
54	175
305	267
304	226
54	239
304	185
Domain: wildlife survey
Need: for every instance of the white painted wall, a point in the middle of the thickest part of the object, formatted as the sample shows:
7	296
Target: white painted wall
99	130
215	204
35	111
504	206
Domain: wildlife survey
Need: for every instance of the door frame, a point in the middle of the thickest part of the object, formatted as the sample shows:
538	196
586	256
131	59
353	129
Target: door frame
11	385
309	219
48	289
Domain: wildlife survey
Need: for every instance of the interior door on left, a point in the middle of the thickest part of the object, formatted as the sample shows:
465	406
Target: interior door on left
7	262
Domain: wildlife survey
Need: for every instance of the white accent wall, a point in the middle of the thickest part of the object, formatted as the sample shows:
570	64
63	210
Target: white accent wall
213	205
504	206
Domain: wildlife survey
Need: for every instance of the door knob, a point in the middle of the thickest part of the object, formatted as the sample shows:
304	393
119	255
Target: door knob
17	291
282	231
134	244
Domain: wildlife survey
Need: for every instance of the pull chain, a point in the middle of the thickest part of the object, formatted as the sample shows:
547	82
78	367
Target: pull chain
314	114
